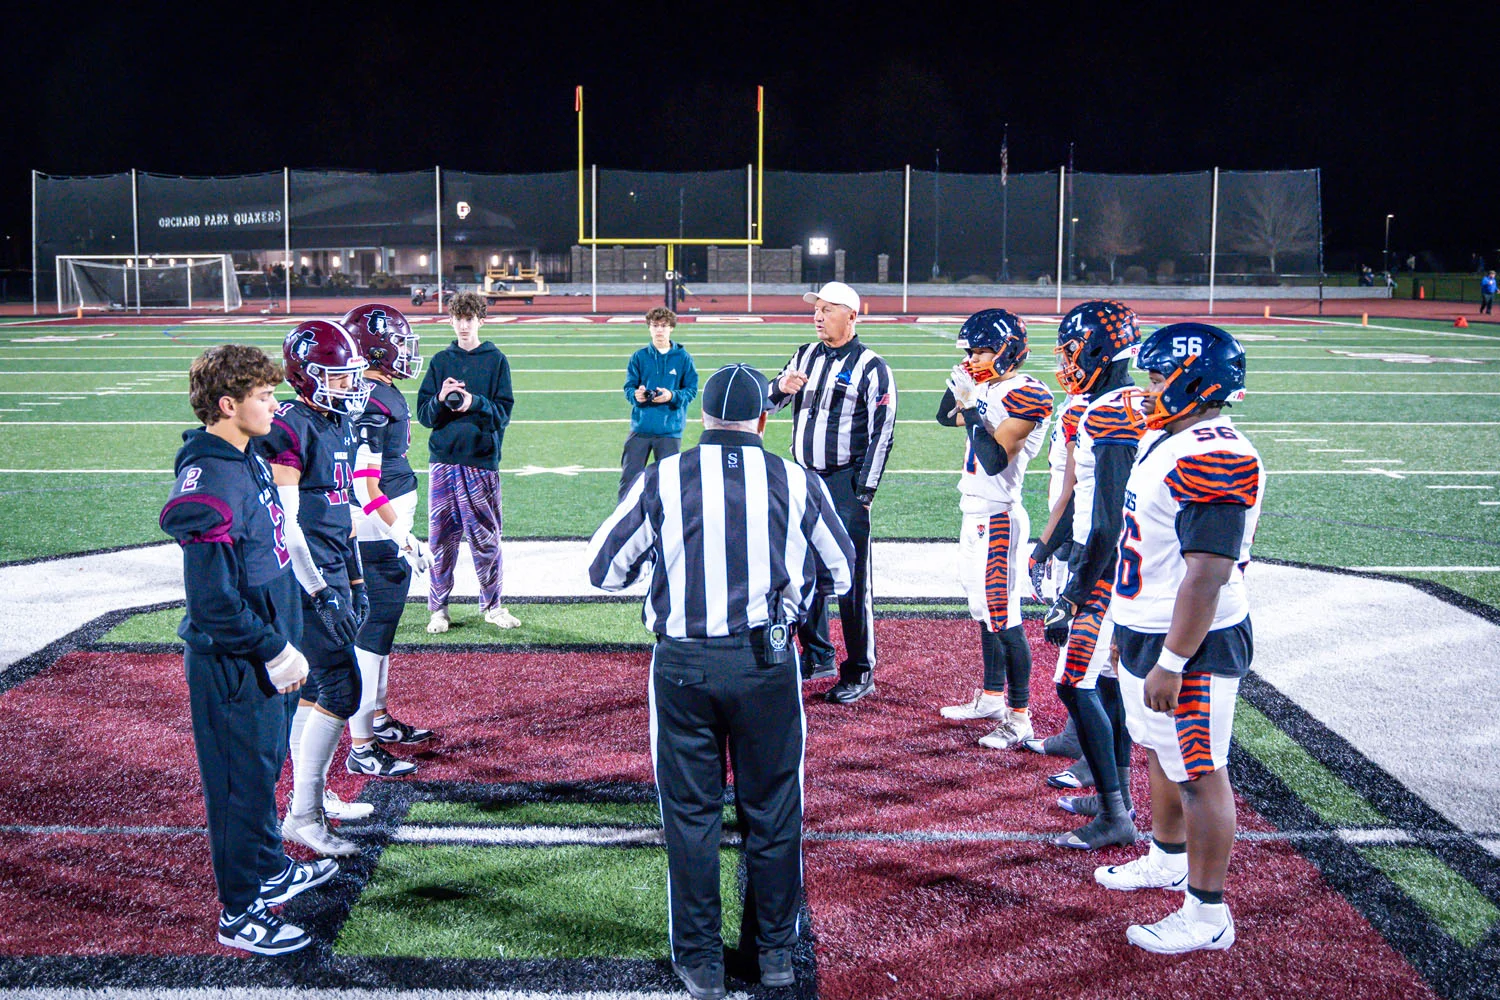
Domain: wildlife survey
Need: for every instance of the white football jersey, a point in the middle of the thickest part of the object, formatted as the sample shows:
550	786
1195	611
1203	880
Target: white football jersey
1105	423
1210	462
1064	433
1024	398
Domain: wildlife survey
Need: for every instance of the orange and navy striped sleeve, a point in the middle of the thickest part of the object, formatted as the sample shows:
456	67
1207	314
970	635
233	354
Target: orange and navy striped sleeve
1070	418
1111	424
1029	401
1215	477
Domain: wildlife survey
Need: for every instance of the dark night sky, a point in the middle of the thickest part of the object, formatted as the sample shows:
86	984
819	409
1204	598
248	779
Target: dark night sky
1391	102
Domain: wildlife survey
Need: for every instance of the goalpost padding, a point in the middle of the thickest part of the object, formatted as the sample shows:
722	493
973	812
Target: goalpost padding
126	281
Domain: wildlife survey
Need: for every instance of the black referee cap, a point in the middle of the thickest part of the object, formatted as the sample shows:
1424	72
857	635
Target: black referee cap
736	392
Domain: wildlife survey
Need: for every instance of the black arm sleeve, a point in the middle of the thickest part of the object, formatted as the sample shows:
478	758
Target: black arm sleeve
947	413
1061	532
992	457
1096	556
1214	528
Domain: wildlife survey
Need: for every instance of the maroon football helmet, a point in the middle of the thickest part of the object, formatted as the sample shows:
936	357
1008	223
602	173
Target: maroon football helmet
318	351
385	339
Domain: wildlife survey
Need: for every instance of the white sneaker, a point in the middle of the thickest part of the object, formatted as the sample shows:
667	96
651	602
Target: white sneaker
312	831
501	618
439	621
984	706
1152	870
337	808
1014	728
1184	930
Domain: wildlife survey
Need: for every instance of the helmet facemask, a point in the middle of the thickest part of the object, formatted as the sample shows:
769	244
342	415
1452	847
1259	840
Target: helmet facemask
349	401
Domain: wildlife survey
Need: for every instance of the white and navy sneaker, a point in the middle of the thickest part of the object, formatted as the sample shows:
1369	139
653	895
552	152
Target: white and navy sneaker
984	706
1156	869
376	761
1191	928
261	931
337	808
313	832
393	730
1014	729
296	878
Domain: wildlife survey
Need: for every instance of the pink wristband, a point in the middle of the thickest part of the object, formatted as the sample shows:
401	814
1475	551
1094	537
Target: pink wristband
366	473
374	505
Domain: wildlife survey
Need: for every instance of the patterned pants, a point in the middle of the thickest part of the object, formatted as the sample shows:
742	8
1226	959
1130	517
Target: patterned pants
464	503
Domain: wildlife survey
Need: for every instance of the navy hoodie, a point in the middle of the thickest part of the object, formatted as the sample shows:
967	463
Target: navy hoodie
673	370
473	437
242	599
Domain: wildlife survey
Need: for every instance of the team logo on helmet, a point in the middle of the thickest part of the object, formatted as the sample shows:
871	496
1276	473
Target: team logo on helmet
1201	366
324	367
385	339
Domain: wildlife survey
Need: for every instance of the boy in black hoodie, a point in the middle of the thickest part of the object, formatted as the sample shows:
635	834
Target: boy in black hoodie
466	399
243	612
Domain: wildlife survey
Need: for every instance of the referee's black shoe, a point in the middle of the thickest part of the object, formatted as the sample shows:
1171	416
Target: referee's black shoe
813	670
847	692
704	982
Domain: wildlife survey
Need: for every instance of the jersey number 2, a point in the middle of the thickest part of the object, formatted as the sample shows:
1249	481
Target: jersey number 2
1128	573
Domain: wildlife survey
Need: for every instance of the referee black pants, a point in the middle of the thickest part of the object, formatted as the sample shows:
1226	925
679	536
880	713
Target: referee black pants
240	735
706	696
857	606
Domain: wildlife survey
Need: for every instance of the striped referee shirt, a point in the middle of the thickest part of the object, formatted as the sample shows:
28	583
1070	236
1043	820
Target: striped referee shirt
846	414
723	526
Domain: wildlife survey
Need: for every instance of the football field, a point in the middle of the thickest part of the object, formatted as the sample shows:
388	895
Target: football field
525	859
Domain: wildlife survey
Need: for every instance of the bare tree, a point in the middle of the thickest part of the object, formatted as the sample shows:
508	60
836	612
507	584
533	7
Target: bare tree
1112	233
1277	217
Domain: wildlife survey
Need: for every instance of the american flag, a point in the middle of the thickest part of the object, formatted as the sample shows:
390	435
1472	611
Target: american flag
1004	158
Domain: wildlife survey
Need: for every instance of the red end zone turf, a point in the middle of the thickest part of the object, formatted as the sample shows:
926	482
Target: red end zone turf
101	739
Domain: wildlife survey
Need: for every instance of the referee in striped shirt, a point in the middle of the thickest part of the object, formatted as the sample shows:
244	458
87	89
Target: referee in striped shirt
738	542
843	424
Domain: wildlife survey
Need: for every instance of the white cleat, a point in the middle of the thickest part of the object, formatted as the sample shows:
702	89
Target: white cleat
337	808
1149	871
984	706
501	618
439	621
1014	729
1185	930
312	831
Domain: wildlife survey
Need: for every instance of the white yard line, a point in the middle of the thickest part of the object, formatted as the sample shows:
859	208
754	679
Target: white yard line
1460	487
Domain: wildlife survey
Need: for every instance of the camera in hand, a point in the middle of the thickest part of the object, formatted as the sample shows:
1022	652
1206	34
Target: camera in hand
454	400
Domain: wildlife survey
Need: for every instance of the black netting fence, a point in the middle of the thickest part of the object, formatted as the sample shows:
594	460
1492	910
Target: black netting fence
351	232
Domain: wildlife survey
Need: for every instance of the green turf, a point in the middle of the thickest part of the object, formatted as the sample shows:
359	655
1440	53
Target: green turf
571	417
542	814
520	903
1461	910
1319	788
1480	586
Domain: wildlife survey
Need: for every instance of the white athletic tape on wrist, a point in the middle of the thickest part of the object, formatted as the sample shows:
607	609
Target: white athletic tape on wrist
1170	661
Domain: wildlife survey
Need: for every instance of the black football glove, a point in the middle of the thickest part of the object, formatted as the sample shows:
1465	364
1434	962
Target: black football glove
1058	621
335	616
360	598
1036	567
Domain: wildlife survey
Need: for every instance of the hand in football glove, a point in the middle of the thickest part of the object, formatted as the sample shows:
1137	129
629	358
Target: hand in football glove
963	387
416	553
360	599
1058	621
287	669
335	616
1036	568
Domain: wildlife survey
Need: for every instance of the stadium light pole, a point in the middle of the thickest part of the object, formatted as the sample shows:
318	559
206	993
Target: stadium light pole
1385	254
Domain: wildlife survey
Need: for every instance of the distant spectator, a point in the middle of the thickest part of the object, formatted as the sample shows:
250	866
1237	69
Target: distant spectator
1411	262
660	382
1487	293
1366	276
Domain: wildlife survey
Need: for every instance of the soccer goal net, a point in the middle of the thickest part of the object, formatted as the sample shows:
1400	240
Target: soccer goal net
127	282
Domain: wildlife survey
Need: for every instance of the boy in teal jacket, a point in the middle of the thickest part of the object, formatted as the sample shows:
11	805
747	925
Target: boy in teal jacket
659	383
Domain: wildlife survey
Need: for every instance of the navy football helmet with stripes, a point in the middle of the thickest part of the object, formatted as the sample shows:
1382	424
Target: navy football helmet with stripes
1091	337
1203	366
993	330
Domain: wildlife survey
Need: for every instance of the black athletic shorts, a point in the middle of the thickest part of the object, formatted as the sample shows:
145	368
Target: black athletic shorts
1225	652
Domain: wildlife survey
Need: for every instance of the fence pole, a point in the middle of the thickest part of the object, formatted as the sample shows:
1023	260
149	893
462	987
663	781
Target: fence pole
190	282
286	228
594	235
1062	179
437	194
906	240
749	235
135	236
35	307
1213	243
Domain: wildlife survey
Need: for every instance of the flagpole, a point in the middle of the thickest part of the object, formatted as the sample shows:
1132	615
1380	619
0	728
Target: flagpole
1005	204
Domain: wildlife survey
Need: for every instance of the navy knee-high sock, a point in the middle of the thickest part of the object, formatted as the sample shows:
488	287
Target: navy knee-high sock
1114	707
994	658
1094	734
1017	666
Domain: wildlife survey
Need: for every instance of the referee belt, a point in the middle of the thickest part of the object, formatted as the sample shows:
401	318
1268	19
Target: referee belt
753	638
